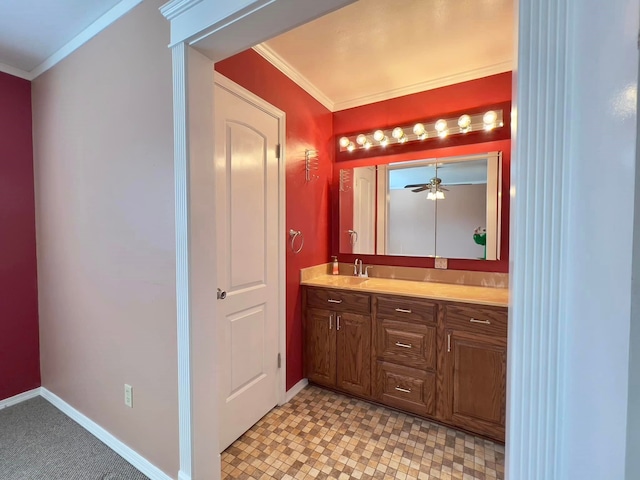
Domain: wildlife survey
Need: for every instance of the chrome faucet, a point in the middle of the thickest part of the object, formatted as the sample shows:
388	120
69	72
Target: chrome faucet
357	268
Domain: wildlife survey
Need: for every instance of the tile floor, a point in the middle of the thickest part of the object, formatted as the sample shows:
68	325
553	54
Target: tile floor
320	434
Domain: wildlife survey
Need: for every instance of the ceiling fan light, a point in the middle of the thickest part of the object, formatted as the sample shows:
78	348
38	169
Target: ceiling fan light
431	196
439	195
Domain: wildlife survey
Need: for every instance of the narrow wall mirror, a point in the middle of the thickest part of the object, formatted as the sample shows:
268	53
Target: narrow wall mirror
445	207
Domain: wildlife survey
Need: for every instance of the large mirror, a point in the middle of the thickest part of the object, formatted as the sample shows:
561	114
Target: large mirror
444	207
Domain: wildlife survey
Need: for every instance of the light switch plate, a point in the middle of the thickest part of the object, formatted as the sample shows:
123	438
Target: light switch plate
441	263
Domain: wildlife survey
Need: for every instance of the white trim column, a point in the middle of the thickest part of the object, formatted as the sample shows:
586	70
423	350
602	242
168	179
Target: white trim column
181	179
539	211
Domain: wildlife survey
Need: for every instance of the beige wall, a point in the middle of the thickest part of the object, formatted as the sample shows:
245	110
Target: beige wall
103	143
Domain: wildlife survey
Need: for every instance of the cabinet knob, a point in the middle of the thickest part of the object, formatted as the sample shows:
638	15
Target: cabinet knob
221	294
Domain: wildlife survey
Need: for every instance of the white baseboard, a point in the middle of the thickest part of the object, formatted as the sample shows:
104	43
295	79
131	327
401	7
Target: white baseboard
183	476
134	458
296	389
21	397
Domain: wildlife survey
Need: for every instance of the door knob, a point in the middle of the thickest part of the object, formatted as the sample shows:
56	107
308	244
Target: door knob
222	294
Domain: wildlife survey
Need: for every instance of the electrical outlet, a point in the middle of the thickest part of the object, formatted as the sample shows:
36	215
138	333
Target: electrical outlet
128	395
441	263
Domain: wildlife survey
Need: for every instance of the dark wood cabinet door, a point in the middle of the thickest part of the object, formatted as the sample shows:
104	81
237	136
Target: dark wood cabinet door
354	353
475	380
320	346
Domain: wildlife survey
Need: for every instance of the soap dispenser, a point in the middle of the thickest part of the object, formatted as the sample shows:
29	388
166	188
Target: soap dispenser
336	267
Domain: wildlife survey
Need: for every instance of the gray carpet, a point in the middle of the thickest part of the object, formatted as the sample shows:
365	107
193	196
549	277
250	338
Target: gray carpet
38	442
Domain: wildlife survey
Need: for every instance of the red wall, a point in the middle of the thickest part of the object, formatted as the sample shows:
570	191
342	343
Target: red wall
19	344
491	90
309	126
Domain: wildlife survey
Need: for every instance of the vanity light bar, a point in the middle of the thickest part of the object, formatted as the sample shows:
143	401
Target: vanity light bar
442	128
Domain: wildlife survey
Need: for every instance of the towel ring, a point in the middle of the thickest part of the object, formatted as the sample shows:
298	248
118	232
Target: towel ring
295	234
353	237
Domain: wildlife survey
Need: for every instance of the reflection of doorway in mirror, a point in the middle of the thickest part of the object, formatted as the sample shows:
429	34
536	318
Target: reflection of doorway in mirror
364	199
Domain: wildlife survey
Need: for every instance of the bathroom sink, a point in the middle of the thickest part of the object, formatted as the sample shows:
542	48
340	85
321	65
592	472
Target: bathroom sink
346	281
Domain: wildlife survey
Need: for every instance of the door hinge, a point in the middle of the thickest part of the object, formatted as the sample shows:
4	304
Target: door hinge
278	151
279	361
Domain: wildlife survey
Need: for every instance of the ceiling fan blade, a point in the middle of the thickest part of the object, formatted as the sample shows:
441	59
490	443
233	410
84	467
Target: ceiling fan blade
444	189
421	189
416	185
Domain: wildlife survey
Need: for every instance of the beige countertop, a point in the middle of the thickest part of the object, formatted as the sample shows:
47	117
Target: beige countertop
435	291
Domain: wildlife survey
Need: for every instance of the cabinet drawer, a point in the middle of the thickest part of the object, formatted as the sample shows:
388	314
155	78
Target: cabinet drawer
338	300
405	343
477	319
405	309
406	388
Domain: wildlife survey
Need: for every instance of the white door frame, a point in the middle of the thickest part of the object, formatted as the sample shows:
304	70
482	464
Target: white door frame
545	275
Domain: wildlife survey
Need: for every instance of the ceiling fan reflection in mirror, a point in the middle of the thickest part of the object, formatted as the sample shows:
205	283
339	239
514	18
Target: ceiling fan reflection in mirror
436	191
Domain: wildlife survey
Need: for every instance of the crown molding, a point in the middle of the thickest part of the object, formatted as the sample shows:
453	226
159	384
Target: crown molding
281	64
277	61
427	85
174	8
16	72
83	37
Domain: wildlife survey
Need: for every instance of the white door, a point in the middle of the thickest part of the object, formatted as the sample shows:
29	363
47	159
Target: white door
246	168
364	208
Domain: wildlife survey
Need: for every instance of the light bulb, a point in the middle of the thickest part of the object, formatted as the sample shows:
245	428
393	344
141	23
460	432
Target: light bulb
439	195
344	142
384	141
397	133
351	147
420	131
431	196
378	135
489	119
367	144
464	122
441	126
361	139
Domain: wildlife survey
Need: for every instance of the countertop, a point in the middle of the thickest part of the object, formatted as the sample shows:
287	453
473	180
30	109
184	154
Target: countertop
498	297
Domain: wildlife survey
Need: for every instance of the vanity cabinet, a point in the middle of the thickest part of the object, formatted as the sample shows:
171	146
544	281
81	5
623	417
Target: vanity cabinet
338	339
405	353
438	359
474	367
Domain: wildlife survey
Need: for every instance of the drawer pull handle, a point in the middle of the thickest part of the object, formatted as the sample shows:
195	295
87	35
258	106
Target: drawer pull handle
403	310
330	321
331	300
484	322
403	345
338	322
403	390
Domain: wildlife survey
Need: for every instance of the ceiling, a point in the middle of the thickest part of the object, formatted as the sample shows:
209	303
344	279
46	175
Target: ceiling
369	51
373	50
32	31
